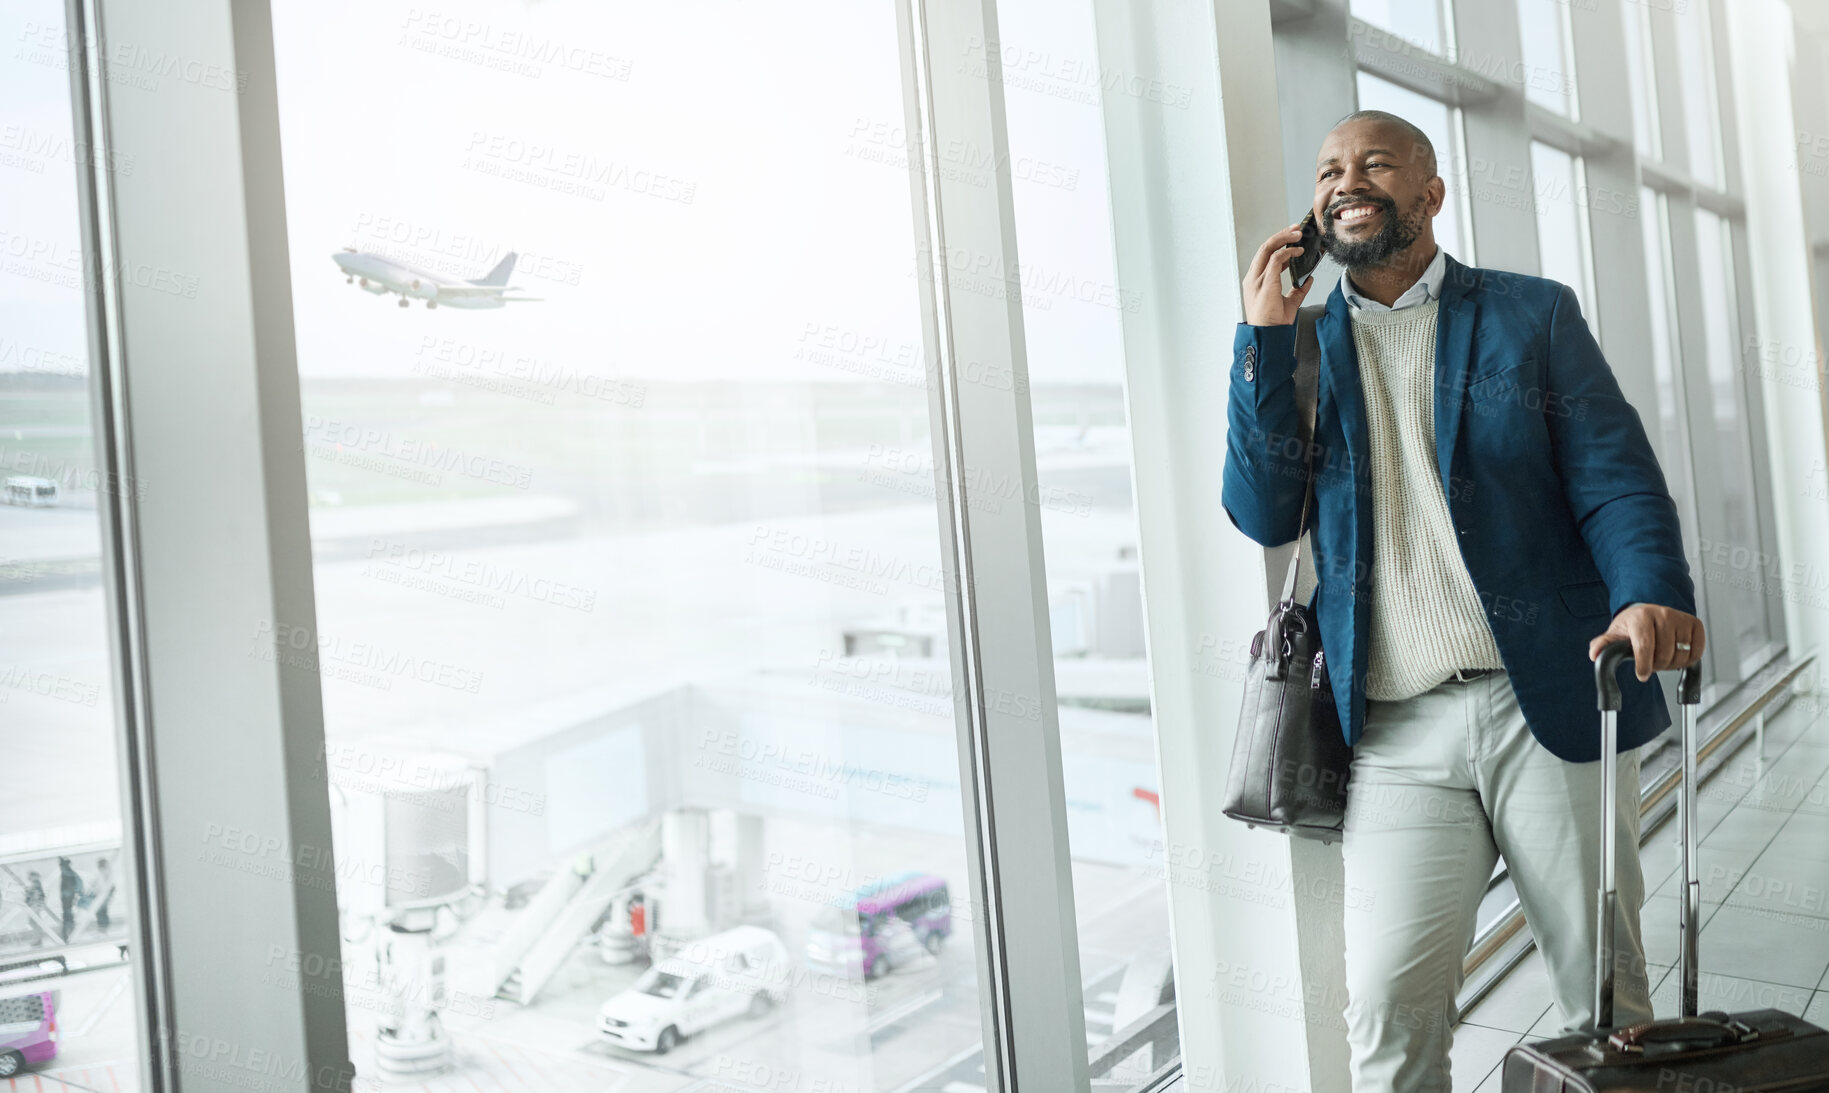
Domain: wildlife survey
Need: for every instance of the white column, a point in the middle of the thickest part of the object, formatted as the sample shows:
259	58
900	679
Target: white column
1026	940
1197	183
1787	351
208	553
751	881
685	845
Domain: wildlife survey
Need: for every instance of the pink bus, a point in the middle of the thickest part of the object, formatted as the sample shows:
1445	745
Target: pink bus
881	926
28	1031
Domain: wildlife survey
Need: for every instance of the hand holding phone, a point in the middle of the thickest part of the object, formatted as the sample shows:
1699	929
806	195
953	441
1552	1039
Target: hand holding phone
1302	266
1270	299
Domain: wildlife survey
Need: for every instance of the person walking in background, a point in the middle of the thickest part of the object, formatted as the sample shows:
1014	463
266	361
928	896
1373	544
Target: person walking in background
69	890
35	908
103	892
1488	513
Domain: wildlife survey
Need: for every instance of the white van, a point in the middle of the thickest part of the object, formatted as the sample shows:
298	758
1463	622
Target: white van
740	972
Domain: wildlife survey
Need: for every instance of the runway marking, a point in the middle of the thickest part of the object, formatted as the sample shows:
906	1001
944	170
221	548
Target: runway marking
38	1084
921	1081
1148	888
912	1006
80	1079
88	1026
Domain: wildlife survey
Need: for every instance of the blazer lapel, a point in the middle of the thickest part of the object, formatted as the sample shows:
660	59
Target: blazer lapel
1453	364
1340	377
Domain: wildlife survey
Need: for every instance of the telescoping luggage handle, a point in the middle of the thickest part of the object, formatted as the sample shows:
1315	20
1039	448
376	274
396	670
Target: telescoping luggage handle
1689	693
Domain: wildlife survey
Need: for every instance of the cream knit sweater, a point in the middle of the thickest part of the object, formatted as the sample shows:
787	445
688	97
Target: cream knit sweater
1426	616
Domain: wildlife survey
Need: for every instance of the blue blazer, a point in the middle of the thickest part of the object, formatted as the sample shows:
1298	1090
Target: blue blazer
1559	504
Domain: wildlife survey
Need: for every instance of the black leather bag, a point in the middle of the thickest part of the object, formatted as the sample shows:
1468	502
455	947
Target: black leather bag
1290	761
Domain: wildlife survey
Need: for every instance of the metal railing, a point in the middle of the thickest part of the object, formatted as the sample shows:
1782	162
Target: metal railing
1505	943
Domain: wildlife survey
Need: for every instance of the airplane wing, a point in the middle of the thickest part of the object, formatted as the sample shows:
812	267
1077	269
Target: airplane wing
446	288
473	292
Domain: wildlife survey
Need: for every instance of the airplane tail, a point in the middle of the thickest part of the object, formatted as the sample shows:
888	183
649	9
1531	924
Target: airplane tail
498	276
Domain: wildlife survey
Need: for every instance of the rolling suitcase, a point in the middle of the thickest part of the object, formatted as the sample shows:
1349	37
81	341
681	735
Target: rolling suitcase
1751	1052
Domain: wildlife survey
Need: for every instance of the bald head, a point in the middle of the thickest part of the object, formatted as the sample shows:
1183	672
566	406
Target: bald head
1421	150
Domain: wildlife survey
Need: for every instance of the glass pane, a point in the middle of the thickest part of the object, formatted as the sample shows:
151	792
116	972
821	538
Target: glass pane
68	1018
1657	263
1641	71
1442	124
1549	69
1738	529
1701	116
1072	326
637	693
1418	21
1671	432
1561	234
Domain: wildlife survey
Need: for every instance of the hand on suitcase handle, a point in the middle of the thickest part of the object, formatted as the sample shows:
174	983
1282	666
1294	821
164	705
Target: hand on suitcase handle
1689	687
1661	637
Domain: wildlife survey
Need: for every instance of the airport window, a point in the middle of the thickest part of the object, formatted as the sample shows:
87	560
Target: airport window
1420	21
639	585
616	423
1442	124
1562	231
1672	429
1641	71
1549	69
1701	117
1072	323
1652	213
1732	454
67	1013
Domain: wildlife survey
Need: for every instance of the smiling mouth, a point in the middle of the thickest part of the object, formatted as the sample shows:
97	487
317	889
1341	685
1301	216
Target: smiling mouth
1356	214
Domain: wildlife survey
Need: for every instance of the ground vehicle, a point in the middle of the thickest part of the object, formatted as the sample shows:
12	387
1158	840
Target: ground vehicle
28	1031
881	926
710	981
25	489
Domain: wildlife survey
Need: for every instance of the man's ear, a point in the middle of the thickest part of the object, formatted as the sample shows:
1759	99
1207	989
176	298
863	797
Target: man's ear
1437	195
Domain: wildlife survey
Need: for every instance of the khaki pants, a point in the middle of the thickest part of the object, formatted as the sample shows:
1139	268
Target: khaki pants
1442	785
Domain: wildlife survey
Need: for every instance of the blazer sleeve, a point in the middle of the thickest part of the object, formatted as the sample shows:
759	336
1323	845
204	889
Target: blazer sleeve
1263	483
1610	476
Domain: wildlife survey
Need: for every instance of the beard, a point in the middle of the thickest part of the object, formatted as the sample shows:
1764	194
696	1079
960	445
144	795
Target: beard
1398	233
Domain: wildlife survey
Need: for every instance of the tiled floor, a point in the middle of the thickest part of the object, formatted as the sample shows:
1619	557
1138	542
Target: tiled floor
1764	866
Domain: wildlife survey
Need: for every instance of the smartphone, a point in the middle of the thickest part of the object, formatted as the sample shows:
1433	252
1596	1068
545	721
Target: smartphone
1302	266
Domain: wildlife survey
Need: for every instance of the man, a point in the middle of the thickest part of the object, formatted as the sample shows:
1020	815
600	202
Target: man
35	908
69	891
103	892
1487	514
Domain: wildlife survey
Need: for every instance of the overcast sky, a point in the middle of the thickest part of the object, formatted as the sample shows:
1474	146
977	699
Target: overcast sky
741	197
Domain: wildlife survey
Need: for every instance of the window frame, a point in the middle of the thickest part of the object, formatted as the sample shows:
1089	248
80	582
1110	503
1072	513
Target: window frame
190	588
222	152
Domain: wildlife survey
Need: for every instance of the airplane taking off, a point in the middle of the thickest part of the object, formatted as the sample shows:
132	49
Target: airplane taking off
384	275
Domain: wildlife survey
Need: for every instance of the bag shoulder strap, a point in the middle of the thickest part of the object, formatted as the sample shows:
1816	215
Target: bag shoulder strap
1308	368
1308	395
